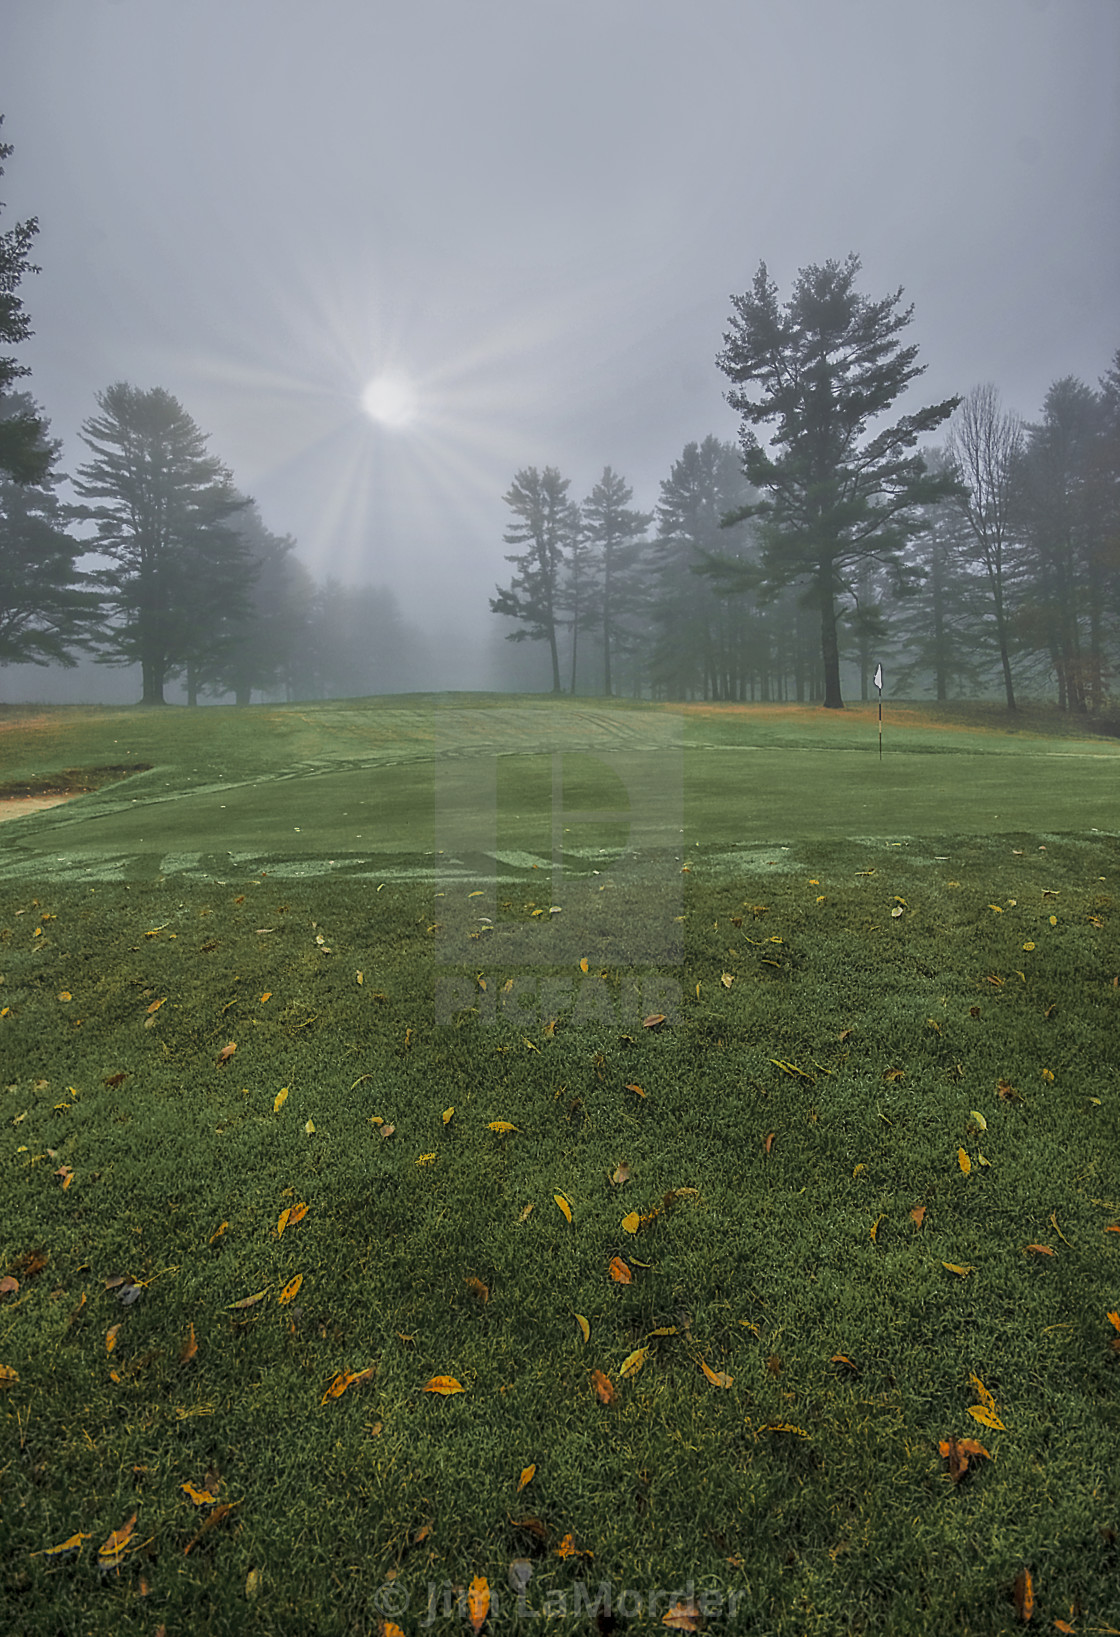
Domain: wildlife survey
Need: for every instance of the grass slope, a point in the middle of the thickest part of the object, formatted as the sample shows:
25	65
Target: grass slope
817	1079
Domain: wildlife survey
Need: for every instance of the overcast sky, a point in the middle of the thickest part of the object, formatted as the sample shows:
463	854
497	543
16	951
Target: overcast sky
528	216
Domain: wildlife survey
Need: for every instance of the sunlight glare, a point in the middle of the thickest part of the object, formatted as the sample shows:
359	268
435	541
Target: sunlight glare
390	400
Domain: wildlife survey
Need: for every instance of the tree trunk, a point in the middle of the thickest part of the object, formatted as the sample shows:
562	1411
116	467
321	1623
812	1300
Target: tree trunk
153	683
830	647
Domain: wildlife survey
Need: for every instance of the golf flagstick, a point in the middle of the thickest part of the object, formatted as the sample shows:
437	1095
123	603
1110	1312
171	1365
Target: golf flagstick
879	685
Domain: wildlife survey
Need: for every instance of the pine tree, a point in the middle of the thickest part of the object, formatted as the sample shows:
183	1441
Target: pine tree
26	453
547	524
615	535
827	364
182	574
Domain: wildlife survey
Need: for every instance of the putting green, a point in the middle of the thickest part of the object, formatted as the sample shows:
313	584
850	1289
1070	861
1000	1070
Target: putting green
485	785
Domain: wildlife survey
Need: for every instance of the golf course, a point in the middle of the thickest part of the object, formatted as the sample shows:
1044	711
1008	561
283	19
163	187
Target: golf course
544	1164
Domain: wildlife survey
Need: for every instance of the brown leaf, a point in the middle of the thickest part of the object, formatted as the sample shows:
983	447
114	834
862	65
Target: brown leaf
189	1347
682	1617
653	1020
1007	1092
478	1289
918	1215
1041	1250
636	1089
216	1516
716	1377
618	1271
774	1365
115	1079
769	1143
226	1053
8	1285
1024	1595
603	1387
842	1358
534	1526
621	1174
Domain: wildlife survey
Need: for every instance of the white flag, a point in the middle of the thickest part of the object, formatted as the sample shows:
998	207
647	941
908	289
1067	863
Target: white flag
878	676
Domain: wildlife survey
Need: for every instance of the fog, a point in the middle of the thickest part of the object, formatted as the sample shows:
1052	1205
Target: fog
388	254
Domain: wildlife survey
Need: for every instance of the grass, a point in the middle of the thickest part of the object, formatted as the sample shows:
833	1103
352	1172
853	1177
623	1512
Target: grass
817	1076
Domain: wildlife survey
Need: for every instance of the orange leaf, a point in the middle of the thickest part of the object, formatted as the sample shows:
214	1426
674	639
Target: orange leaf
1114	1320
618	1270
1042	1250
291	1289
478	1601
769	1143
636	1089
682	1617
119	1539
716	1377
200	1497
227	1052
8	1376
842	1358
1064	1625
583	964
526	1476
111	1338
216	1516
603	1387
1024	1594
478	1289
918	1214
963	1161
444	1385
189	1347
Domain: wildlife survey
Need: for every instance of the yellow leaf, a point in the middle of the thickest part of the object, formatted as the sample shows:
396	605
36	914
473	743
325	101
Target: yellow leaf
963	1161
955	1267
70	1545
727	979
119	1539
444	1385
875	1226
502	1126
585	1328
252	1583
266	996
309	1128
633	1362
526	1213
682	1617
526	1476
200	1497
982	1392
1048	1076
283	1222
1028	947
986	1417
583	964
564	1206
8	1376
996	908
218	1232
291	1289
154	1007
251	1301
111	1338
716	1377
447	1113
360	977
631	1223
478	1601
978	1119
425	1159
280	1099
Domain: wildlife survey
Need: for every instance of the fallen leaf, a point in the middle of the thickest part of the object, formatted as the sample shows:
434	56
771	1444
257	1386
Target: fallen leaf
218	1232
769	1143
526	1213
716	1377
447	1113
632	1222
633	1362
583	964
115	1079
982	1393
8	1285
1024	1595
652	1021
119	1539
249	1301
344	1379
291	1289
682	1617
583	1326
619	1272
280	1099
8	1376
200	1497
526	1476
71	1545
727	979
636	1089
986	1417
252	1583
189	1347
1041	1250
218	1515
603	1387
478	1601
621	1174
502	1126
478	1289
918	1215
963	1161
266	996
564	1206
443	1385
227	1052
955	1267
111	1337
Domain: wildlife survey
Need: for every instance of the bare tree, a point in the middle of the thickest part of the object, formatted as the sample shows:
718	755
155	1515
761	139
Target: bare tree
984	445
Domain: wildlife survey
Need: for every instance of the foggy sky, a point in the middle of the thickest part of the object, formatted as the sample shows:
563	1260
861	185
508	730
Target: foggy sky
535	212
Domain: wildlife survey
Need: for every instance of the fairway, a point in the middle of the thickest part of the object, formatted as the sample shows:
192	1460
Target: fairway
633	1154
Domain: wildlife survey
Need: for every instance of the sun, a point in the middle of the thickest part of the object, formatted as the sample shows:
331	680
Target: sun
390	400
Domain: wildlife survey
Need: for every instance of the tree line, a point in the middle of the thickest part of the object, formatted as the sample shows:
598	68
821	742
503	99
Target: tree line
989	561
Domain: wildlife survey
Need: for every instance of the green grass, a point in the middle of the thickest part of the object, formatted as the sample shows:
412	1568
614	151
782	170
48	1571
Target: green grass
865	1041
